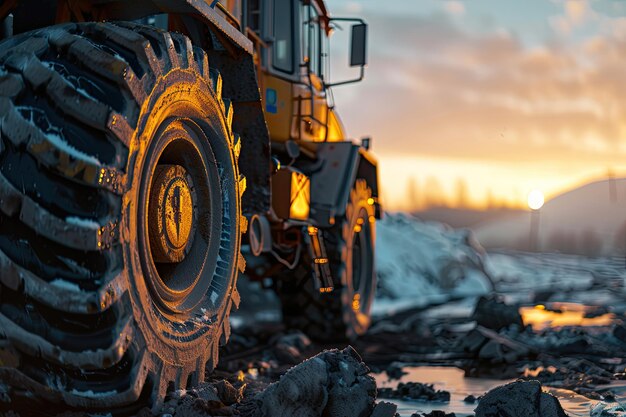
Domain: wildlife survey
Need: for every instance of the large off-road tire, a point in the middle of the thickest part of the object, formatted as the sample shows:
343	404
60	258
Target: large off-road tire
344	313
120	215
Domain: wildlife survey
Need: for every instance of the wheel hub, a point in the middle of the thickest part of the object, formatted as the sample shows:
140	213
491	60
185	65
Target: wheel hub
171	214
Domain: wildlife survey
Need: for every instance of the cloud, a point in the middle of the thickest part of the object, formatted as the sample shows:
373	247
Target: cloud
435	89
452	97
611	8
577	11
454	7
354	7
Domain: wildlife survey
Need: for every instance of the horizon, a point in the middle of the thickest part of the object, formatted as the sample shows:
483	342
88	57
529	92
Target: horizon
505	97
453	201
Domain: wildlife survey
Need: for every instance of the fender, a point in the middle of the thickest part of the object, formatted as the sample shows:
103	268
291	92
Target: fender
231	52
344	163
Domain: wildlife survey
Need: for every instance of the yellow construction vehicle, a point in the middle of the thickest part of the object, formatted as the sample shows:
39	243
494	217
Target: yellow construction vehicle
129	131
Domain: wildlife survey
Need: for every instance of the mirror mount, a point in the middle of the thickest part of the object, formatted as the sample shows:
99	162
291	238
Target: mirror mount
358	49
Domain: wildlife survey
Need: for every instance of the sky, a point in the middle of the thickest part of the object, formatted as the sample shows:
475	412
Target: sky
478	102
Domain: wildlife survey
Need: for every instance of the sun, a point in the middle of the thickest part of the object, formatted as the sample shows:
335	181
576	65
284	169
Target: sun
535	199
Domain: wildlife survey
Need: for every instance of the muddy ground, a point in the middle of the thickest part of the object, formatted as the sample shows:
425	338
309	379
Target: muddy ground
565	331
460	356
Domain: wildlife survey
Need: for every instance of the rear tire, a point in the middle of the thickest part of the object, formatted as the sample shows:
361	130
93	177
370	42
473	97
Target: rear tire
96	118
343	314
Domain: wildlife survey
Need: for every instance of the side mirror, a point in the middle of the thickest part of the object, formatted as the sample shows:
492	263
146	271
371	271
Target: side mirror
358	49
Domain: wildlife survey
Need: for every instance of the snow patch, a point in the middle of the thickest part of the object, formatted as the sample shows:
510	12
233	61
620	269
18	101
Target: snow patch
60	143
75	267
65	285
521	275
39	119
85	223
420	263
91	394
72	80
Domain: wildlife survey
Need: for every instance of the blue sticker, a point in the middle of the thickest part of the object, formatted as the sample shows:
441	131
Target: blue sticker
270	101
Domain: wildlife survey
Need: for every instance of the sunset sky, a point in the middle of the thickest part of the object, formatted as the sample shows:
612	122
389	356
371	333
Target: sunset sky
495	97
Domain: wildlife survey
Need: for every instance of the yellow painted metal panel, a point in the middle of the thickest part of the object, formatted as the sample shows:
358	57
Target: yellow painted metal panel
336	131
278	105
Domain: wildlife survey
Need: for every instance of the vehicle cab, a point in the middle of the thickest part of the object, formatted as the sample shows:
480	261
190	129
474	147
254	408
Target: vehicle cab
292	43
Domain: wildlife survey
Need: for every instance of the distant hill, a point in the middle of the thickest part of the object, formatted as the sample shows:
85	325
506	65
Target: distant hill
590	220
465	218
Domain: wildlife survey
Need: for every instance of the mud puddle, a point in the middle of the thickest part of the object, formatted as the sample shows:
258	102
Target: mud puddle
453	380
544	316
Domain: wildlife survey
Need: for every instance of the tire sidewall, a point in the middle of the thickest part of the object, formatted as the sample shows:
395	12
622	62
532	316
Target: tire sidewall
180	94
357	322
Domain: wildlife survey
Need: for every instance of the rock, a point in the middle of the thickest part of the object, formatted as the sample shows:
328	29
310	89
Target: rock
620	332
498	353
470	399
550	406
4	393
472	342
500	349
286	354
434	413
207	392
519	399
228	394
296	339
384	409
288	348
201	401
395	372
333	383
213	408
606	410
491	312
415	391
574	346
609	397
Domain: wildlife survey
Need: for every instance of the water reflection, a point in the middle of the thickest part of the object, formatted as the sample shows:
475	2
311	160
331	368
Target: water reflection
453	380
541	317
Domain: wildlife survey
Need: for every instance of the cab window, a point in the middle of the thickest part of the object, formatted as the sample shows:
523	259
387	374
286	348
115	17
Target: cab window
253	15
311	38
283	36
